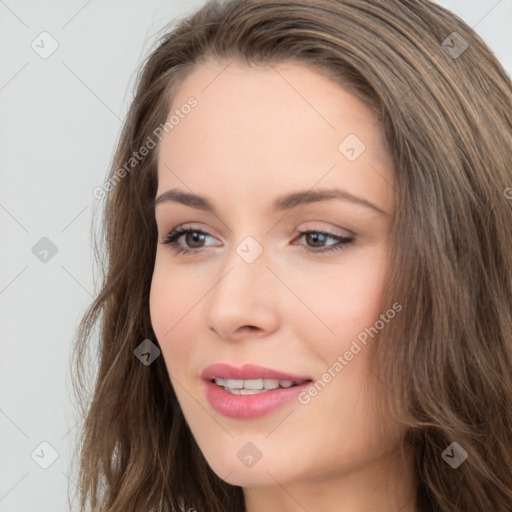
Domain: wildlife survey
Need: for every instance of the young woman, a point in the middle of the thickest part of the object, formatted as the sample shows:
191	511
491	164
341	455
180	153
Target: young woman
307	301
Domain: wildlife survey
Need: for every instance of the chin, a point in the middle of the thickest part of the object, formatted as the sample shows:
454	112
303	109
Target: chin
250	478
261	474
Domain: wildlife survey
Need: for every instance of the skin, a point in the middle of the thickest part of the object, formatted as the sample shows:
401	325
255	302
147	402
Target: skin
258	133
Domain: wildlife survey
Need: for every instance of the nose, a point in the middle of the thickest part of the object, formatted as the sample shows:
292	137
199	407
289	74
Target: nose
244	300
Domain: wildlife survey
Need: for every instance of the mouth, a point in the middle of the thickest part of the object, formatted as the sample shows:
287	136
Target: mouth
255	386
250	391
250	376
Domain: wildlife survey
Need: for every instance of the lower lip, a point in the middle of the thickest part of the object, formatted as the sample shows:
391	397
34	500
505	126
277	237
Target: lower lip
250	406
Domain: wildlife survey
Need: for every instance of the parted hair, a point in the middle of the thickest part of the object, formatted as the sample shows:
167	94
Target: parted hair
444	103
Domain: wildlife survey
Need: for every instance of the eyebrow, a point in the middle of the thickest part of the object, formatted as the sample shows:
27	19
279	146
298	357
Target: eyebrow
286	202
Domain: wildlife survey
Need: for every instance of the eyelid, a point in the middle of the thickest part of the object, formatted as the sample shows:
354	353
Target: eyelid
184	229
327	231
345	232
342	241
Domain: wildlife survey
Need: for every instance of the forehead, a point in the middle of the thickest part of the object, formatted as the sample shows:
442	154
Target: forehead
256	129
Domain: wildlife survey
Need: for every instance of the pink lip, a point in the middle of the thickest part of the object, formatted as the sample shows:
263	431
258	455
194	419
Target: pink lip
246	372
249	406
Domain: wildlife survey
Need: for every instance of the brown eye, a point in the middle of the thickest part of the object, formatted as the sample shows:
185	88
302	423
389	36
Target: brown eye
317	239
194	238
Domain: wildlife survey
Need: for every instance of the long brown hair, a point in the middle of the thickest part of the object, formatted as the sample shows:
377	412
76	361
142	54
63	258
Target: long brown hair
444	103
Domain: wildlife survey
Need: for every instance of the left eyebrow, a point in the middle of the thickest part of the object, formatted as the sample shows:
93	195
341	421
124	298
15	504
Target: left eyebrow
286	202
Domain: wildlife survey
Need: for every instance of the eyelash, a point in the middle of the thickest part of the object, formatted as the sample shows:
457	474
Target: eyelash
172	237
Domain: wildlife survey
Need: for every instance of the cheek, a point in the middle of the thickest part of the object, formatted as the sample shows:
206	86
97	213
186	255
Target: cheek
171	300
360	301
333	303
346	298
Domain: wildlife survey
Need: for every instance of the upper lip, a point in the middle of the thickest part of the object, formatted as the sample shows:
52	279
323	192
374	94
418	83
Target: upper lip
248	372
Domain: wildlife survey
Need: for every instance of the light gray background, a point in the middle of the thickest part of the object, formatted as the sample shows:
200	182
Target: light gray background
60	119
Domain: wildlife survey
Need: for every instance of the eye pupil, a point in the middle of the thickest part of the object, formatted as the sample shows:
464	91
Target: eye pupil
196	237
315	237
193	239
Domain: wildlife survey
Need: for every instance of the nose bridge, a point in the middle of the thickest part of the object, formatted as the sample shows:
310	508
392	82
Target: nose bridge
245	268
243	295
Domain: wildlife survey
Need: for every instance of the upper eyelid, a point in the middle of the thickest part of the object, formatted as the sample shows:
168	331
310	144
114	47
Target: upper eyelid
185	228
331	231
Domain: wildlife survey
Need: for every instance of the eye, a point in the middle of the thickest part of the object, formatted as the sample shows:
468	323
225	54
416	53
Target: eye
318	238
174	235
342	242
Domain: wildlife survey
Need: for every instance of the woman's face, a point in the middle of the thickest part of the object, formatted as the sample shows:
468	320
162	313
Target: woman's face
253	290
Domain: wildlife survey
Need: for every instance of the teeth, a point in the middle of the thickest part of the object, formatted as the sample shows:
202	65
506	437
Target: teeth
252	386
231	383
244	391
270	383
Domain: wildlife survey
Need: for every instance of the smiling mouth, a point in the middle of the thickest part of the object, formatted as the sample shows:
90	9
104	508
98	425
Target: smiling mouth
255	386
